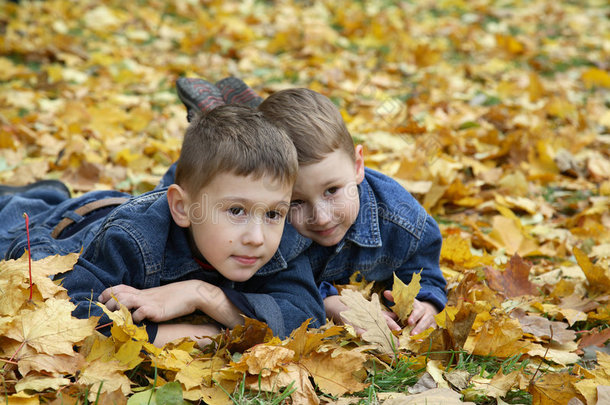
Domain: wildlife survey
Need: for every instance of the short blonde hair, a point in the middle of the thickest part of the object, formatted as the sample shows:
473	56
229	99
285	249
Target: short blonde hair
234	139
311	120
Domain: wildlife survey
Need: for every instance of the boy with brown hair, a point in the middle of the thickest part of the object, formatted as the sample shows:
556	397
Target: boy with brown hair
359	219
208	242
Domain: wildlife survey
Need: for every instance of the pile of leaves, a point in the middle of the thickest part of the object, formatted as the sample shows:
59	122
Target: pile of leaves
495	115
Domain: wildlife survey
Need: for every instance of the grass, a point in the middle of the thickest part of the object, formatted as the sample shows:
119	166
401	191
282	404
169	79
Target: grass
244	396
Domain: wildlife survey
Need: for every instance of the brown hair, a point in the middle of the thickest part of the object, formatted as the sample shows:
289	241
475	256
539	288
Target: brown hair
311	120
234	139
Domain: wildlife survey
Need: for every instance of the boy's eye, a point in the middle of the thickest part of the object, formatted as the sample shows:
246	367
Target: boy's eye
236	211
296	203
274	215
331	191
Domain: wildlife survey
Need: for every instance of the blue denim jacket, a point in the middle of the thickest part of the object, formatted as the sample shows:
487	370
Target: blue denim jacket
392	233
46	208
138	244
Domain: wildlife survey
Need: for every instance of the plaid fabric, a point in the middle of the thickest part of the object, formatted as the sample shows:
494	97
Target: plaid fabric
235	91
198	95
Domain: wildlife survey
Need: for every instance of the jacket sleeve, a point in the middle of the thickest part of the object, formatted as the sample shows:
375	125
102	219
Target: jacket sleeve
112	258
426	259
285	299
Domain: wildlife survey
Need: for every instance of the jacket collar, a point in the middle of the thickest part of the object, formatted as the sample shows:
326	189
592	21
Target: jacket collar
365	230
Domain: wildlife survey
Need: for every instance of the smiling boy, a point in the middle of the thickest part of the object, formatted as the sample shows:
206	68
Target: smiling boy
359	220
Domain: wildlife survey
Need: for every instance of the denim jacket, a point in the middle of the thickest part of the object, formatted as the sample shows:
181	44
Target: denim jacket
392	233
45	207
139	244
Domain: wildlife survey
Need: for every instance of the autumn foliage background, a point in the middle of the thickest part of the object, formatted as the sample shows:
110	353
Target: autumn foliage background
495	115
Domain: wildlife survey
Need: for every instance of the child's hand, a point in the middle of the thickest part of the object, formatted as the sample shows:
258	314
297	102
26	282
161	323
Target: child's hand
422	315
334	307
157	304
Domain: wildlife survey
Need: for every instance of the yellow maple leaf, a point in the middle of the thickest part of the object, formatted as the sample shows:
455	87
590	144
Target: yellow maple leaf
596	77
456	249
198	372
50	327
15	280
404	295
597	277
105	376
123	328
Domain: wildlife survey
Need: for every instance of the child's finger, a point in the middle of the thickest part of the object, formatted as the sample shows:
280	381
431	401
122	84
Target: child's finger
416	314
388	295
109	292
424	323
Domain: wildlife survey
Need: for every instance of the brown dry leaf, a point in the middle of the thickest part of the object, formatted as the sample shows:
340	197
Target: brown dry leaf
594	338
336	372
553	388
544	328
404	295
251	333
514	280
367	315
265	360
289	373
499	336
303	341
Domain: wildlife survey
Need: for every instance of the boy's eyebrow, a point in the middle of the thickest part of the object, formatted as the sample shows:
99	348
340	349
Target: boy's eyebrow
247	201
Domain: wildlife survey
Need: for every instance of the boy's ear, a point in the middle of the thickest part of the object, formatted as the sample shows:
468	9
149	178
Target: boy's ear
178	202
359	163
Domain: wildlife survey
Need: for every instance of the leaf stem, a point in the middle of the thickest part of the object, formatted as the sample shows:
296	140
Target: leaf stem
27	231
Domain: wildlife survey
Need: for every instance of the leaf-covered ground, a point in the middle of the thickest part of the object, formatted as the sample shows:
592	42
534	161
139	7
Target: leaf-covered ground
495	115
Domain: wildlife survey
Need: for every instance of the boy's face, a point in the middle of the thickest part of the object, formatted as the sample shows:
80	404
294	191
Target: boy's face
325	199
237	222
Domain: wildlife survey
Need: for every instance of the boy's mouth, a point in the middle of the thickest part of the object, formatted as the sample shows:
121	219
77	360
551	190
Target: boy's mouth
246	260
326	232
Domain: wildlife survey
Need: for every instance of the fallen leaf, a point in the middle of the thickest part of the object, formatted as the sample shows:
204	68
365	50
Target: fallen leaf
553	388
404	295
544	328
335	372
435	396
367	315
598	278
514	280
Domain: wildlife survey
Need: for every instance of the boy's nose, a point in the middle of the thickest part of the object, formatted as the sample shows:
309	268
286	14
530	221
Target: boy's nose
254	234
321	214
